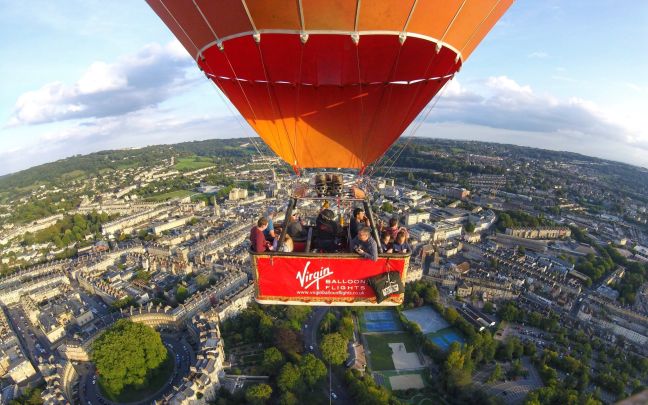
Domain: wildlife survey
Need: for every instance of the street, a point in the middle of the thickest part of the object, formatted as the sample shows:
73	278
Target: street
310	339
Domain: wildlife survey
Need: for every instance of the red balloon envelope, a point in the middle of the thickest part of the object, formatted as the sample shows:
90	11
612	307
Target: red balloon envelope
330	83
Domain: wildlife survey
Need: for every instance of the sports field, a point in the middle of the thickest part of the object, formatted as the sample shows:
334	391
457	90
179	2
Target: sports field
426	318
445	337
381	321
380	351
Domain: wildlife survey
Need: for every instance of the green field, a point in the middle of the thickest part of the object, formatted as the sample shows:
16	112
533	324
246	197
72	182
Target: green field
170	195
380	351
193	163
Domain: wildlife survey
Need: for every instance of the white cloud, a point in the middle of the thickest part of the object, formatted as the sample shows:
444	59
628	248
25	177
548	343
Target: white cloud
132	83
538	55
502	103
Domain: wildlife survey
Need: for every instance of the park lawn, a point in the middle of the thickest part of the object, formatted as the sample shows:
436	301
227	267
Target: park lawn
132	394
73	174
193	163
381	353
170	195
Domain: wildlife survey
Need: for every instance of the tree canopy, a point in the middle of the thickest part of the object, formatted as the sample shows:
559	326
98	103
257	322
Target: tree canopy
126	354
334	348
258	394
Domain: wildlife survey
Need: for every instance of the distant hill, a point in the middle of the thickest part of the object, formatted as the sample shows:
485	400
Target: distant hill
240	148
95	163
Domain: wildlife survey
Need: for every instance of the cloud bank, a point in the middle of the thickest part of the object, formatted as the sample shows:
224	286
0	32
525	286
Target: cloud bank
501	103
132	83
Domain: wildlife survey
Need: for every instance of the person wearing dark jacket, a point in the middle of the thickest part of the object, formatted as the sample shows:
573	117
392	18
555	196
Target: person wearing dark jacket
385	243
327	232
400	245
359	220
295	228
364	245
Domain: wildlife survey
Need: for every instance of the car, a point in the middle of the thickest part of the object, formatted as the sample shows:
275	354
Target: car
94	382
333	395
311	347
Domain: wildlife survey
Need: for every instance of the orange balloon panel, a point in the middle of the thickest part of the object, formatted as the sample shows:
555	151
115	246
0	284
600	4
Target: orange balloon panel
330	83
339	117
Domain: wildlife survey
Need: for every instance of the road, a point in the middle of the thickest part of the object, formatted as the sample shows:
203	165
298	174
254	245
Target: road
310	339
31	338
178	348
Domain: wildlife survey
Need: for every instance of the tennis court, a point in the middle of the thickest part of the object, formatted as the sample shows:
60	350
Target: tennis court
445	337
429	320
381	321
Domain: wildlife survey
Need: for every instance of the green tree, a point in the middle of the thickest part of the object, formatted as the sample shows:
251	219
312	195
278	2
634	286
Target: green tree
272	360
329	323
181	294
288	398
289	377
497	374
457	368
202	281
31	396
127	354
312	369
334	348
258	394
387	207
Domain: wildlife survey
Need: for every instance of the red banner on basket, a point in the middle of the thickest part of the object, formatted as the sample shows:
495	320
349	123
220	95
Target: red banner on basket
323	278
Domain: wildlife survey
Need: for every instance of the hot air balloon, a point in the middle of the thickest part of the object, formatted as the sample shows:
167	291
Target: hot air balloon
329	84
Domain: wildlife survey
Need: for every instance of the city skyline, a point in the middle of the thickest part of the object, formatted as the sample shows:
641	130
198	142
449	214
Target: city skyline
85	78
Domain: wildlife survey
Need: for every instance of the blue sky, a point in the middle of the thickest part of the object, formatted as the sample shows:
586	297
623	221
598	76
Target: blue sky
82	75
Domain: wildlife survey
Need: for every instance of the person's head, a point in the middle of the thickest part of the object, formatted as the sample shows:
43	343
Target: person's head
293	216
400	237
385	237
358	214
393	222
364	233
327	214
288	239
262	223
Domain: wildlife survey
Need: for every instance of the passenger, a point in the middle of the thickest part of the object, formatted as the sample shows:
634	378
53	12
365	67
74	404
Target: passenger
393	228
269	232
295	227
327	231
385	243
257	238
288	245
364	245
359	220
400	244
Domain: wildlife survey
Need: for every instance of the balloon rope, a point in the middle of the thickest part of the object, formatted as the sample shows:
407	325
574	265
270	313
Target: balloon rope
429	108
